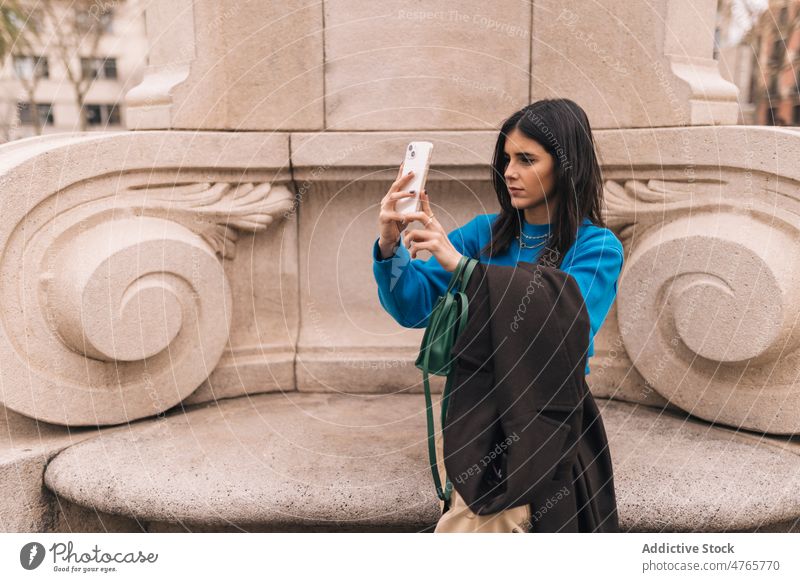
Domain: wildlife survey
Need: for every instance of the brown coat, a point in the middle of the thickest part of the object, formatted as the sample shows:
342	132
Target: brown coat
521	425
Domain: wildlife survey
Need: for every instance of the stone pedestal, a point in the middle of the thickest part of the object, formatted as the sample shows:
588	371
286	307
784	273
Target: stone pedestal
222	248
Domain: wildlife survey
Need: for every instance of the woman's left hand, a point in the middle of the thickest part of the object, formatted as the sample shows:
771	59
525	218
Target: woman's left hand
432	238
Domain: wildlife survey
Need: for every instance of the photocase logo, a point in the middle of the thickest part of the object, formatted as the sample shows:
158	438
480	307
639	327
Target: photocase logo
31	555
67	558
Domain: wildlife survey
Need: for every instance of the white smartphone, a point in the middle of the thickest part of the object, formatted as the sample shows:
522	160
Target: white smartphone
418	159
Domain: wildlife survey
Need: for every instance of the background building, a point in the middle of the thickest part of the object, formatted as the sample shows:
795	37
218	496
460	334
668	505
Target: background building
70	67
735	20
758	45
774	81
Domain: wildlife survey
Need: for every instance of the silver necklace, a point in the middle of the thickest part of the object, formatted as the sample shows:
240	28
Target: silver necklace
535	237
541	237
522	244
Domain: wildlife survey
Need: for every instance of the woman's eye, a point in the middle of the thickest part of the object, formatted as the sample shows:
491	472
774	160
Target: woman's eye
527	161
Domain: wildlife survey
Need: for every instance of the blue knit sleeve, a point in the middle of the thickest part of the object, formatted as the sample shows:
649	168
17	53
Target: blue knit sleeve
596	265
408	288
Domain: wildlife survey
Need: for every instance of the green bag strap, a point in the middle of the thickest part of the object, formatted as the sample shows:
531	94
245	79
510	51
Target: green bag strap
459	302
443	494
455	278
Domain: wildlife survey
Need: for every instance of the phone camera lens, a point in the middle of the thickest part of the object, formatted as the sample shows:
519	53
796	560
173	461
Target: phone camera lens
413	153
410	147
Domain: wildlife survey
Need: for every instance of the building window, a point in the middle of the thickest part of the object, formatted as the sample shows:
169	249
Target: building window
754	81
772	116
772	90
99	68
28	66
778	55
101	115
45	111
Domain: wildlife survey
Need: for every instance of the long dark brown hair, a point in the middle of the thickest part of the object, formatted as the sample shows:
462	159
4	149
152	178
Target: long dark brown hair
562	128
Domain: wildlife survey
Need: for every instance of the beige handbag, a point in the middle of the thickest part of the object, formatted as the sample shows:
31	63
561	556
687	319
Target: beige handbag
460	519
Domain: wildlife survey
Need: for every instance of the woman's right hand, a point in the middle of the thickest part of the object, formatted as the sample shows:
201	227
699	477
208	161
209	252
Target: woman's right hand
390	221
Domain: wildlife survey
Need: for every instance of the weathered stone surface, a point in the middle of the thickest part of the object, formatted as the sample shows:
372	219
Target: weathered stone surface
392	65
632	64
327	462
673	474
287	460
437	65
707	302
231	65
26	446
117	305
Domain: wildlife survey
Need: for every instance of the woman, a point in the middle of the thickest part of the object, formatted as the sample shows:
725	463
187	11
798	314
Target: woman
549	186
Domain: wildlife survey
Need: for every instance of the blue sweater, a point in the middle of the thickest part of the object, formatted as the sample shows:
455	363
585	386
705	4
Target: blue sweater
408	288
